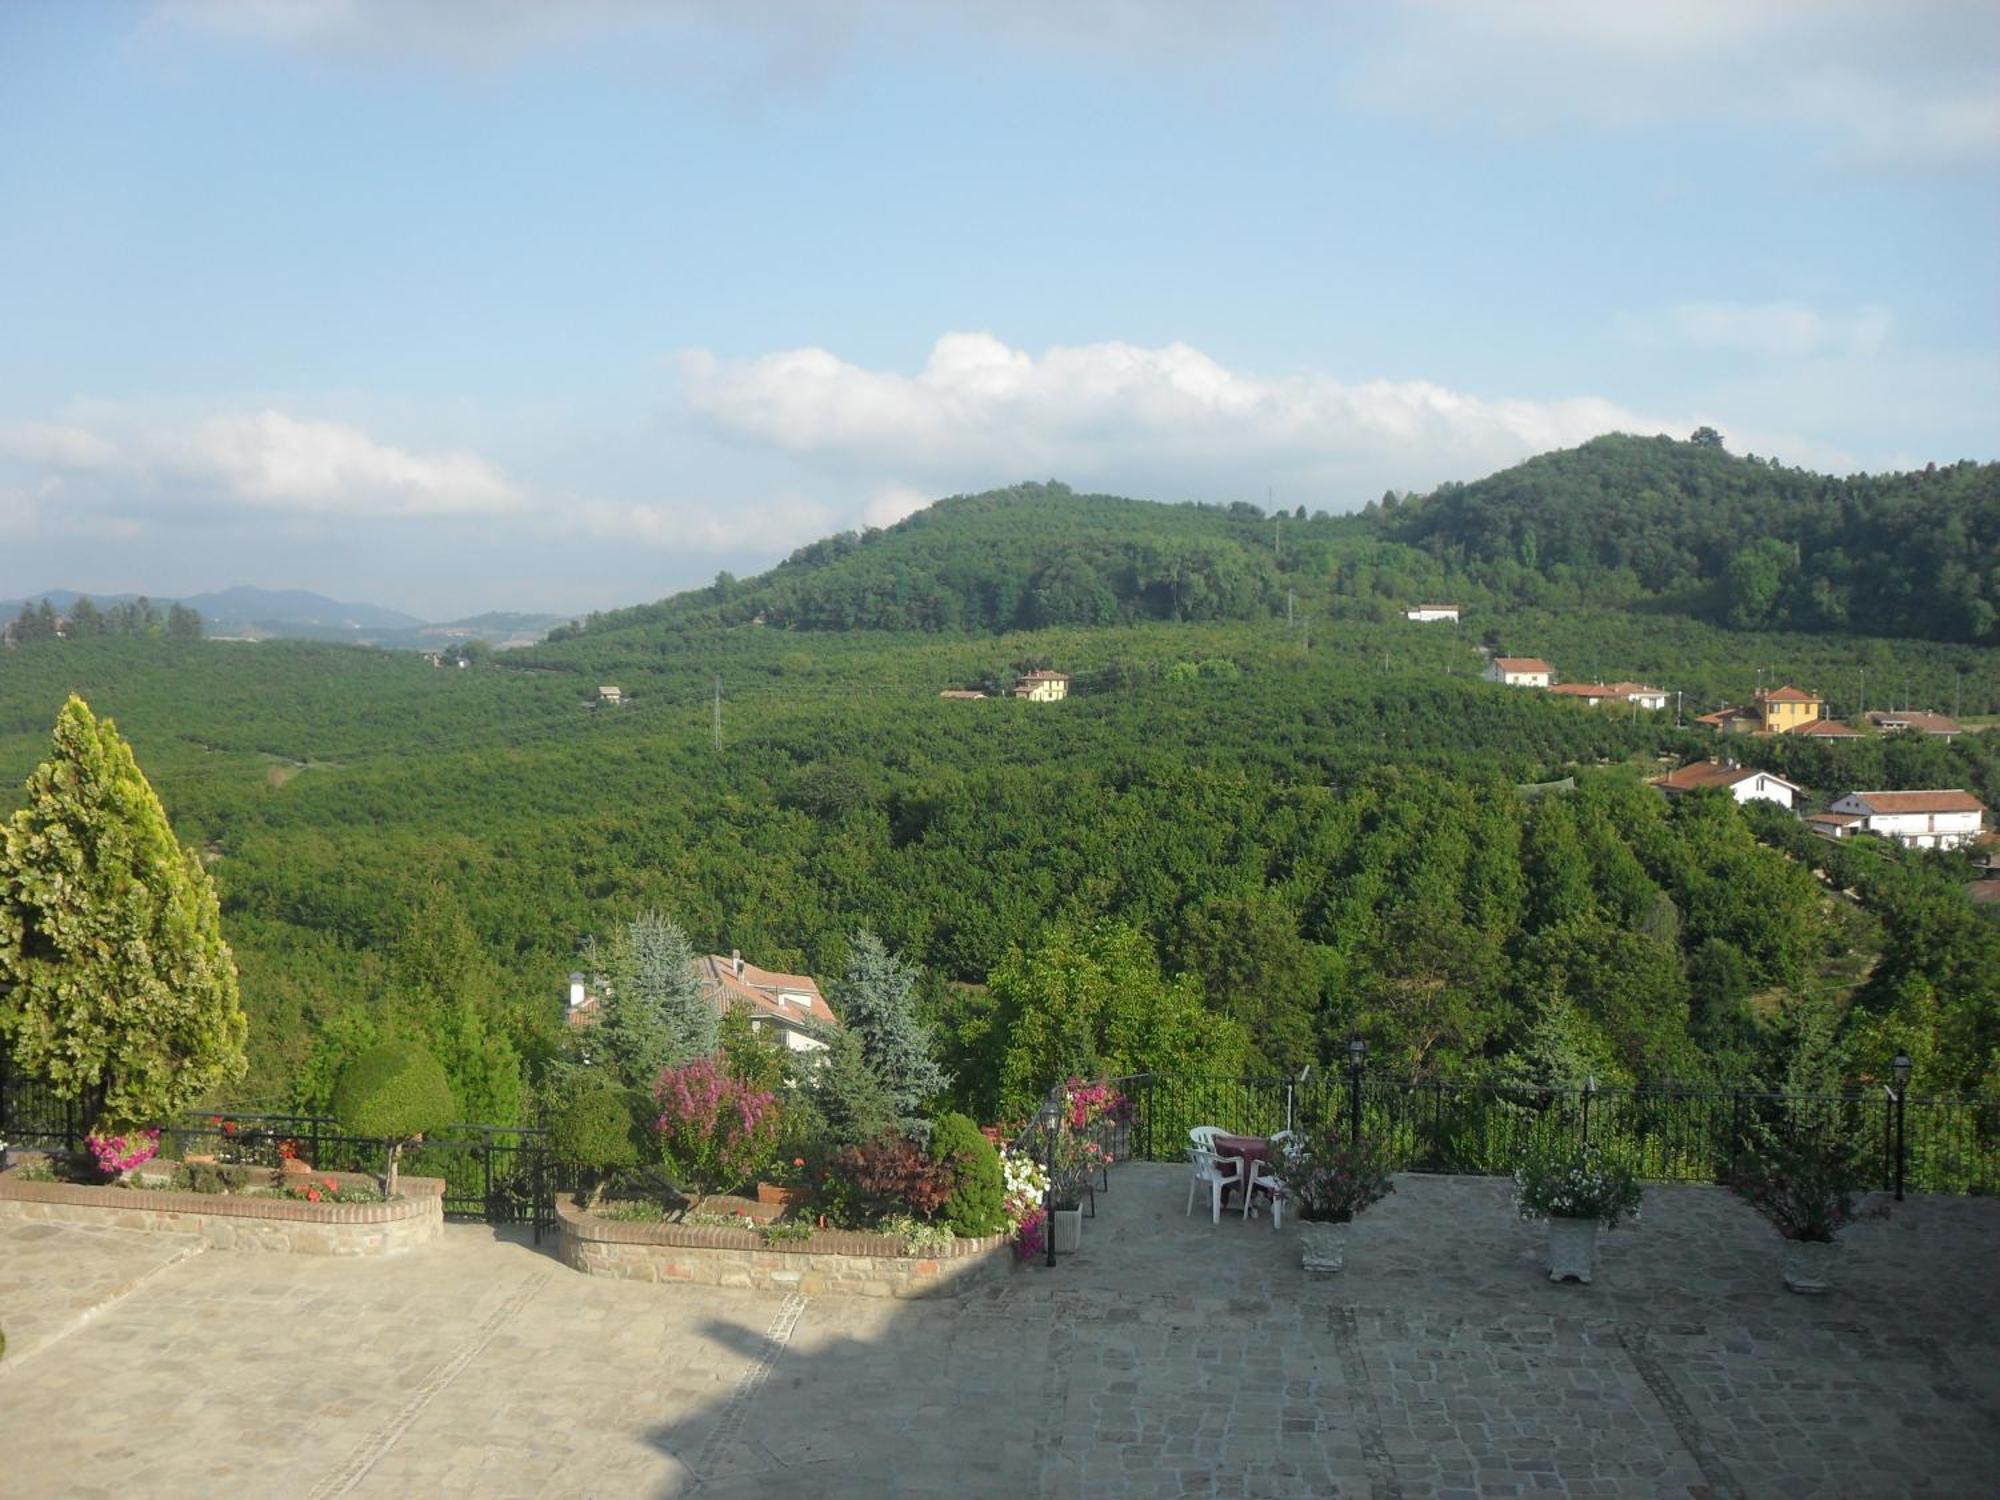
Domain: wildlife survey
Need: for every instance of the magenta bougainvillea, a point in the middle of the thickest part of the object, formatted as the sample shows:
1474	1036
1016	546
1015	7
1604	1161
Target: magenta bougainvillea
121	1153
715	1131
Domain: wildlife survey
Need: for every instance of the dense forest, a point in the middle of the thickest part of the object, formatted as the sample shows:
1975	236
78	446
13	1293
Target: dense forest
1742	541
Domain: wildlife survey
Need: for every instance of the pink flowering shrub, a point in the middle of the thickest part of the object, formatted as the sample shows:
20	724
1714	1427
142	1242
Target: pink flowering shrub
1089	1103
1028	1241
715	1131
121	1153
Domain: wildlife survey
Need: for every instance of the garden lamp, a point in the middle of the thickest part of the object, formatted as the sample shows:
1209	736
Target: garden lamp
1901	1068
1357	1051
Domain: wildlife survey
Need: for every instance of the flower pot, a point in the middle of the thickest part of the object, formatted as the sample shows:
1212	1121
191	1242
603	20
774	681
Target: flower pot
296	1168
1322	1246
1068	1230
1809	1266
780	1197
1572	1249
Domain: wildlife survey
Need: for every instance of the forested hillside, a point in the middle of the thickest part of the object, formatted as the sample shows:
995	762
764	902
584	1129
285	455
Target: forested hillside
1323	836
1742	541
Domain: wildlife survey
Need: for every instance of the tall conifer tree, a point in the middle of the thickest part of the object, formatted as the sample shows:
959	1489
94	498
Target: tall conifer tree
116	988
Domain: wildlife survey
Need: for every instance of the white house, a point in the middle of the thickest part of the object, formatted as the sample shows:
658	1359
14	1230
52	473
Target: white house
787	1007
1428	612
1740	782
1520	671
1922	820
1042	687
610	694
1593	693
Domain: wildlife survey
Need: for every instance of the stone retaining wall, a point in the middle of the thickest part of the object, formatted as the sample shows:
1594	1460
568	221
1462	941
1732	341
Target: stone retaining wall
228	1222
837	1262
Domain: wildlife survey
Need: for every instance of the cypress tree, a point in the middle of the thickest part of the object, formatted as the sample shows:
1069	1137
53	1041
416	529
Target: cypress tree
116	988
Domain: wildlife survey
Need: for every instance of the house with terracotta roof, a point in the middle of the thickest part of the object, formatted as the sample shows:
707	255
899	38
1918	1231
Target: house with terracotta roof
1590	694
786	1007
1914	721
1520	671
1742	783
1831	825
1942	819
1785	710
789	1008
1042	687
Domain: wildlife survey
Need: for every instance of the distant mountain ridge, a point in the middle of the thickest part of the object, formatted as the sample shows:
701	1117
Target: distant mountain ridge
300	614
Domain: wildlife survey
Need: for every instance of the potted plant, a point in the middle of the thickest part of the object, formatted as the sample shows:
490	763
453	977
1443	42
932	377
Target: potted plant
1579	1189
1810	1189
1328	1179
783	1185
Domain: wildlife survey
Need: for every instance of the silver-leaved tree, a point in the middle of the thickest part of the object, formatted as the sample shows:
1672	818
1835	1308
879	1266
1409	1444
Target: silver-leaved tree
116	988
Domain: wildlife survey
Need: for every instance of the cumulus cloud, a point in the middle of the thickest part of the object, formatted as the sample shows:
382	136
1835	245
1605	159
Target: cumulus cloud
1882	84
1169	420
257	460
1771	330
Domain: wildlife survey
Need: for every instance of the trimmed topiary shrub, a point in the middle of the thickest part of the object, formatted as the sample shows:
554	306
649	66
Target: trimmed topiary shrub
599	1131
393	1093
978	1202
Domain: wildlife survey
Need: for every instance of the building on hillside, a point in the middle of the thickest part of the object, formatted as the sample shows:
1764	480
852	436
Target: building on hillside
1831	825
1784	710
1520	671
1429	612
789	1005
611	695
1914	721
963	695
1042	687
1942	819
1590	694
1740	782
1828	729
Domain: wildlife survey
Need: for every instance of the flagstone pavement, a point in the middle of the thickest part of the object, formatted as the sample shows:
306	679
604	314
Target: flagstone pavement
1169	1357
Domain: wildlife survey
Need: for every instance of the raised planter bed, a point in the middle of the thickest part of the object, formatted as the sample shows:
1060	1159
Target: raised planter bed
833	1261
231	1221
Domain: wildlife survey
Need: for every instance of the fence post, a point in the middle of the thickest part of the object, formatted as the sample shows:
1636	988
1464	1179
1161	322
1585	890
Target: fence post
1356	1051
1735	1134
1900	1093
1589	1090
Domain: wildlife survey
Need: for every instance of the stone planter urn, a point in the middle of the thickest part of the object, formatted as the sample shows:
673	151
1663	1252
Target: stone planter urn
1809	1266
1323	1245
774	1196
1572	1248
1068	1229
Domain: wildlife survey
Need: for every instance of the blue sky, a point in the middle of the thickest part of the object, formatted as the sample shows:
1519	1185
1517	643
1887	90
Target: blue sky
453	306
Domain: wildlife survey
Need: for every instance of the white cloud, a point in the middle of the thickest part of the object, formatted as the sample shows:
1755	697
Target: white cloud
1166	421
755	524
1772	330
272	461
261	460
1882	84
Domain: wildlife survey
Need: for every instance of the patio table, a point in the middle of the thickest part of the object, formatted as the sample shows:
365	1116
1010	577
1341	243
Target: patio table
1249	1149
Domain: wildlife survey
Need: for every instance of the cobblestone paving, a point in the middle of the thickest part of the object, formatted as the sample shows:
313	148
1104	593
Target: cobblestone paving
1169	1357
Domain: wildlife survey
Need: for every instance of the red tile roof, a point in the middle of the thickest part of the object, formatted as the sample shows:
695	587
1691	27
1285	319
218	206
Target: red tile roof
1789	694
1952	800
1911	718
1712	773
1521	664
1828	729
731	981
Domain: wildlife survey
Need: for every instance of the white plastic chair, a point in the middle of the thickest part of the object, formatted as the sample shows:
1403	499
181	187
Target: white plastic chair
1204	1136
1221	1173
1264	1178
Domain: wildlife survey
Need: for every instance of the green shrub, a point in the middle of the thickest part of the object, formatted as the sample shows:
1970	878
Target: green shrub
600	1132
977	1204
393	1093
209	1177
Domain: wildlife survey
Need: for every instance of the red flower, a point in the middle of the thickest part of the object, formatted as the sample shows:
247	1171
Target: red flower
312	1195
332	1184
215	1119
229	1127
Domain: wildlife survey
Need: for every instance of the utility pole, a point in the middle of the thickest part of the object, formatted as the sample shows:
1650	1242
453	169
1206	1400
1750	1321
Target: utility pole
1677	708
1288	609
718	713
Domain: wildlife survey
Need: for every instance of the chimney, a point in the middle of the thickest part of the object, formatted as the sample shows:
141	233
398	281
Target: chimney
736	961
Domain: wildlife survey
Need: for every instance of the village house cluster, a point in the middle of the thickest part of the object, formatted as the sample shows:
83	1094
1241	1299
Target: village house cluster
788	1008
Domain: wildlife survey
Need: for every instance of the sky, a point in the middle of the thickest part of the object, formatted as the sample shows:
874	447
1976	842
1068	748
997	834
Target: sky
453	306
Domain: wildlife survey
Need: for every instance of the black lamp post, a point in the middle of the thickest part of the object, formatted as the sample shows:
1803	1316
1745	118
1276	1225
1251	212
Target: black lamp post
1357	1055
1901	1068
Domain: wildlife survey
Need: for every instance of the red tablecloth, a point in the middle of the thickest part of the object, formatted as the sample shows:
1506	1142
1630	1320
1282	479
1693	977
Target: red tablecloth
1247	1149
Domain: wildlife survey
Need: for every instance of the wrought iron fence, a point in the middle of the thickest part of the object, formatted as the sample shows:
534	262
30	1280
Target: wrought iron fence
493	1173
1678	1135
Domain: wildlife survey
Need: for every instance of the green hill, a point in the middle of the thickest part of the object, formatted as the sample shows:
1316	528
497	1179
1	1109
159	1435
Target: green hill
1741	541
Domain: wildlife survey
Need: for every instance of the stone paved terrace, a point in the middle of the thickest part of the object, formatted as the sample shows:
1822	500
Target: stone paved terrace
1168	1358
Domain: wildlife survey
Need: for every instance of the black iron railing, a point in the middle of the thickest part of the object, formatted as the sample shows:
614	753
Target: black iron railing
1678	1135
